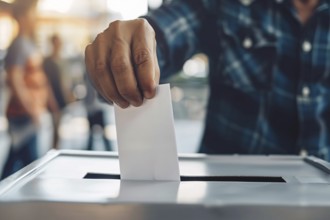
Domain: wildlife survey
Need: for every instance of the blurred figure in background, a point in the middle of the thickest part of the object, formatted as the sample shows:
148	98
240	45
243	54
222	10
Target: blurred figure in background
30	92
56	71
95	116
59	78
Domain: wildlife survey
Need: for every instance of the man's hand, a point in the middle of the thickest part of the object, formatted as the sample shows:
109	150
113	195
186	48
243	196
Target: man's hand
122	62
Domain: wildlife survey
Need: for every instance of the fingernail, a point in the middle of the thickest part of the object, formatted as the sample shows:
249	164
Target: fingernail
123	105
150	91
137	103
148	94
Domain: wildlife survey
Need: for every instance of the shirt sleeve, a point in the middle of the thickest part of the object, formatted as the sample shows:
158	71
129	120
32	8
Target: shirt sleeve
17	54
182	28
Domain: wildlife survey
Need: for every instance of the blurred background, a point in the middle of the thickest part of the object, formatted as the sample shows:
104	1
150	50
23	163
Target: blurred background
64	28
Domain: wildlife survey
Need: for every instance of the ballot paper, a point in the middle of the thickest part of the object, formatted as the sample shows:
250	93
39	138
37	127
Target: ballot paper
146	139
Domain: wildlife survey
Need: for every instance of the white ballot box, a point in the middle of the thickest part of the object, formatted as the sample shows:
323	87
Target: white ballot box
80	185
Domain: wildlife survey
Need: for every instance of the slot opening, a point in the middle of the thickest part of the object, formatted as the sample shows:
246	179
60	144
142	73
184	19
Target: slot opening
257	179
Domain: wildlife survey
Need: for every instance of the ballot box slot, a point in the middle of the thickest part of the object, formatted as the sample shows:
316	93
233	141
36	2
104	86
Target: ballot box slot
233	179
266	179
102	176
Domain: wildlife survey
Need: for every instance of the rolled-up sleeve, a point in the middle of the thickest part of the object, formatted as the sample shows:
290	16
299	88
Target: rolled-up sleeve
181	27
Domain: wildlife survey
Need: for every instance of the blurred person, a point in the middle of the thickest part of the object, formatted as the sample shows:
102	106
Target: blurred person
57	73
30	91
56	69
269	69
96	117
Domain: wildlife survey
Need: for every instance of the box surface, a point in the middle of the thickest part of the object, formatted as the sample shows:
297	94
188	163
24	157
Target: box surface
79	185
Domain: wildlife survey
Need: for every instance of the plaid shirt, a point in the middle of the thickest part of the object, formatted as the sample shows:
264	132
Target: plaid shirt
269	74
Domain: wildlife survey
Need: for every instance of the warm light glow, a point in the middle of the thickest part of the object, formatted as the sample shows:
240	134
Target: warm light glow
8	1
177	94
8	28
111	132
76	127
60	6
3	124
196	67
153	4
128	9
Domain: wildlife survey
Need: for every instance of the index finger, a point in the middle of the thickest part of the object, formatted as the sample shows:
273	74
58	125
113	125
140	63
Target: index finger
143	57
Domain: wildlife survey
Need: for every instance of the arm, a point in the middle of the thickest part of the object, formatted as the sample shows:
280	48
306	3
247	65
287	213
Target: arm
122	61
183	28
19	90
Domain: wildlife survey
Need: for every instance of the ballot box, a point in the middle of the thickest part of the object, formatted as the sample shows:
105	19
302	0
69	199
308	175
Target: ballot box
80	185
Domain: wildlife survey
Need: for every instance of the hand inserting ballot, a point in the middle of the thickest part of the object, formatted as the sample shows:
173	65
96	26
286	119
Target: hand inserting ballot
122	62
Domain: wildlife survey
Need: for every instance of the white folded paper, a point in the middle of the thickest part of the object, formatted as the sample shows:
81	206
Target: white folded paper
146	139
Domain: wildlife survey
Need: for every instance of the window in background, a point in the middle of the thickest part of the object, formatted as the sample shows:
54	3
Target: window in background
8	29
60	6
153	4
127	8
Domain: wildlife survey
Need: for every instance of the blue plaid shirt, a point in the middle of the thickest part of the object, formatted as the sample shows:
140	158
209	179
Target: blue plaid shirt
269	74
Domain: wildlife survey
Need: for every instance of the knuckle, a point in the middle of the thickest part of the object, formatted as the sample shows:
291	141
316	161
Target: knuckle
142	22
100	66
119	64
145	26
117	41
115	25
142	56
114	30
